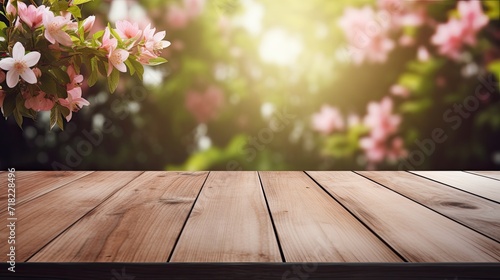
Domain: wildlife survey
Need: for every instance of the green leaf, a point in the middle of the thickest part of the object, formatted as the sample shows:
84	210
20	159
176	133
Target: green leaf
79	2
157	61
494	67
102	67
130	66
93	72
60	75
113	32
56	117
139	68
416	106
18	117
9	104
75	11
113	80
492	9
48	84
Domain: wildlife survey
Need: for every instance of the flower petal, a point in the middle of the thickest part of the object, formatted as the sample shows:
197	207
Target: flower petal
82	102
7	63
18	51
29	76
12	78
68	117
49	37
32	58
121	67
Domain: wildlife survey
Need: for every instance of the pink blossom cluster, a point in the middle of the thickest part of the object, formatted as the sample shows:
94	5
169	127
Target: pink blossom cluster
65	34
204	105
368	31
178	17
381	143
450	37
327	120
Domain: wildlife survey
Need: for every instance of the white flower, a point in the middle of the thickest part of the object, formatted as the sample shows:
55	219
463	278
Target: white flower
19	65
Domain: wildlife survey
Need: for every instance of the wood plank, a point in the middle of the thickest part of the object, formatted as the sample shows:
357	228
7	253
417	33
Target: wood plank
32	184
229	223
139	223
490	174
481	186
45	217
313	227
416	232
478	213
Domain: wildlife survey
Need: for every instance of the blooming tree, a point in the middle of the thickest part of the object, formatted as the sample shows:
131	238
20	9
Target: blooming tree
46	49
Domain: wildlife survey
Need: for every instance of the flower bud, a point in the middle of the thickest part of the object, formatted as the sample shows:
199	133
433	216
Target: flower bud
37	71
88	23
11	10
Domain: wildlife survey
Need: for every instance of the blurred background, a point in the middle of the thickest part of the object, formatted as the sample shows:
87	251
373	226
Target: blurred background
288	85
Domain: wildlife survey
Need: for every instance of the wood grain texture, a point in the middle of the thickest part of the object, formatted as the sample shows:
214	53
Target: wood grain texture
32	184
43	218
313	227
139	223
471	183
229	223
417	233
490	174
478	213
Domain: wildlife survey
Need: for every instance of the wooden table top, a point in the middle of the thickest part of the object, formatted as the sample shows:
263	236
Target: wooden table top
248	216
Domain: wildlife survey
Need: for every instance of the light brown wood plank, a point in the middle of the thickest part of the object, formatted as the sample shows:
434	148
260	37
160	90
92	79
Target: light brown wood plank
478	213
417	233
139	223
477	185
40	220
32	184
490	174
229	223
313	227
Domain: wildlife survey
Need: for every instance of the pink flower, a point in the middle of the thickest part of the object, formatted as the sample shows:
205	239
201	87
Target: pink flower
370	41
88	23
75	79
380	119
383	125
31	15
177	18
37	71
74	102
11	10
19	65
423	54
38	102
54	29
205	105
145	55
327	120
472	18
399	90
128	30
108	42
451	36
116	57
154	42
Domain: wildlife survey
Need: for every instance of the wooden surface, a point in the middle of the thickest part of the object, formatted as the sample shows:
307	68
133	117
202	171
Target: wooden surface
229	223
265	217
478	185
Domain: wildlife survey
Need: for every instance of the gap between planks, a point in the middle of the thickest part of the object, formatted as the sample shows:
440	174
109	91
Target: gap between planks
139	223
418	233
474	212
